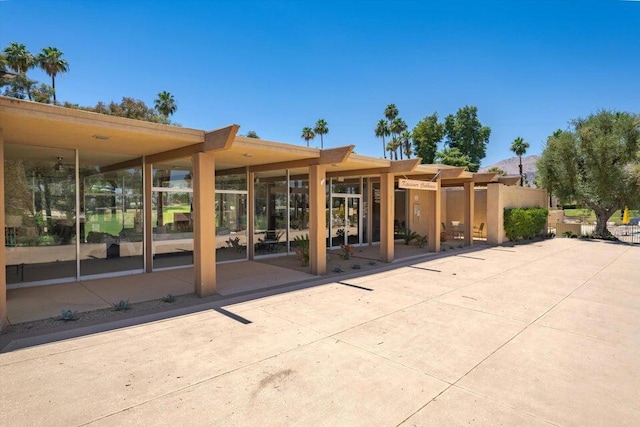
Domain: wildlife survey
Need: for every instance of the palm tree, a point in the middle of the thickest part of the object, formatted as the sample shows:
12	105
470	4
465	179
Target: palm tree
391	112
165	104
307	134
396	127
50	60
321	129
382	130
405	138
519	147
20	60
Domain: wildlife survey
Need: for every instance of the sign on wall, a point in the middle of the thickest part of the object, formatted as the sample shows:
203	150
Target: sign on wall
413	184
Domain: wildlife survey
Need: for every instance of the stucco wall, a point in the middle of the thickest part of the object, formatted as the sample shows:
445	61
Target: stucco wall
453	209
419	224
502	197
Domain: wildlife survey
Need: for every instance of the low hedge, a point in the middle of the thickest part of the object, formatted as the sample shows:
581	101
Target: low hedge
525	223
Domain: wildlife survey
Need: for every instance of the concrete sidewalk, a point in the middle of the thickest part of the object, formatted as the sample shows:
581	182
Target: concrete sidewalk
540	334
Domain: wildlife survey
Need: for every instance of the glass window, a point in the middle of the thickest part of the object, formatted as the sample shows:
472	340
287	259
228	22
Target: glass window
175	175
345	186
231	182
271	212
40	214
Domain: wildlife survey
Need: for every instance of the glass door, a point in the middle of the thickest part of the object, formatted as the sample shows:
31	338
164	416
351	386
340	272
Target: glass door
345	220
231	226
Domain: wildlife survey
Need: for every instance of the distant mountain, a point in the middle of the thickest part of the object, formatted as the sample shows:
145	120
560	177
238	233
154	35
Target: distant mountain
510	166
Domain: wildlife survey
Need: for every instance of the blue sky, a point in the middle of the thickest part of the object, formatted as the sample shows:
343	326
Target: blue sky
278	66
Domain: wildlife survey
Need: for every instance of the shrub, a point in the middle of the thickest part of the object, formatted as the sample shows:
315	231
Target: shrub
169	298
122	305
409	235
421	241
302	248
68	315
524	223
347	250
372	262
337	269
356	266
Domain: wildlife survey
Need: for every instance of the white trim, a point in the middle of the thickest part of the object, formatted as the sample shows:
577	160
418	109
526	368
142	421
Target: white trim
112	274
47	282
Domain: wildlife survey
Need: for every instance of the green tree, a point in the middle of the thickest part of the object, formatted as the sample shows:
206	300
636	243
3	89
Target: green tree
321	129
454	157
391	113
43	93
595	163
165	104
495	169
382	130
307	134
50	60
465	132
397	126
519	147
252	134
426	136
405	142
20	60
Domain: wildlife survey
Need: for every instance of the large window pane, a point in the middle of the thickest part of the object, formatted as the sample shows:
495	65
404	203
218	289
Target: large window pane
40	205
112	231
270	220
298	209
231	226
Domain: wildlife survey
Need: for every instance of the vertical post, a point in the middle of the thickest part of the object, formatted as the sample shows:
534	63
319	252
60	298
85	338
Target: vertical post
147	182
204	227
251	207
387	204
495	214
317	219
4	320
435	218
469	207
370	201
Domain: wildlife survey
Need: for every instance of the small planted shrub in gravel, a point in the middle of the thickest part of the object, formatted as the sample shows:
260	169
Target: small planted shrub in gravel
337	269
372	262
122	305
68	315
356	266
169	298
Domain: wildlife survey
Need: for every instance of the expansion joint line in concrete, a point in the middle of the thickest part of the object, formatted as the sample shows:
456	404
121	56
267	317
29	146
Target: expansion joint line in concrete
517	334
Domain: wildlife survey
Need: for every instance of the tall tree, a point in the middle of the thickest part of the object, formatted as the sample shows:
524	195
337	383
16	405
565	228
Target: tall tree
396	127
391	112
454	157
519	147
20	60
50	60
405	140
465	132
308	134
321	129
595	163
427	134
382	130
165	104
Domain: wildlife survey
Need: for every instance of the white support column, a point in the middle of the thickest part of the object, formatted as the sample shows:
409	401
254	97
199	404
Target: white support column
317	219
387	204
204	227
4	321
469	208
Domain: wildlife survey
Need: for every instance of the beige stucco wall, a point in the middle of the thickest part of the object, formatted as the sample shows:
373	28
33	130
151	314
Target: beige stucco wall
555	216
419	224
453	206
500	197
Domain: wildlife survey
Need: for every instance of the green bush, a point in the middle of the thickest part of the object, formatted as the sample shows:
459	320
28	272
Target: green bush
525	223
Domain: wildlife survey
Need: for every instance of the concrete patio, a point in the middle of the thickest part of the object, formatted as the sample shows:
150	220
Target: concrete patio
546	333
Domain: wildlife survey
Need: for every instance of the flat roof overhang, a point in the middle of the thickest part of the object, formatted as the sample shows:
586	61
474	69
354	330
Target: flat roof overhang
112	142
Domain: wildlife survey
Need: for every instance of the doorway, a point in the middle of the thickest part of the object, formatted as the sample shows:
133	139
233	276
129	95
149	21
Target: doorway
346	221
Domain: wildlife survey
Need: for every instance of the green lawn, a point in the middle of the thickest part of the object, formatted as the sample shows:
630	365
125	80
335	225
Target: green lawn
587	215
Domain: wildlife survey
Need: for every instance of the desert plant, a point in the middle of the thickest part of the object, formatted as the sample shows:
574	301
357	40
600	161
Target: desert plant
409	235
356	266
421	241
372	262
347	250
302	248
337	269
169	298
122	305
68	315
